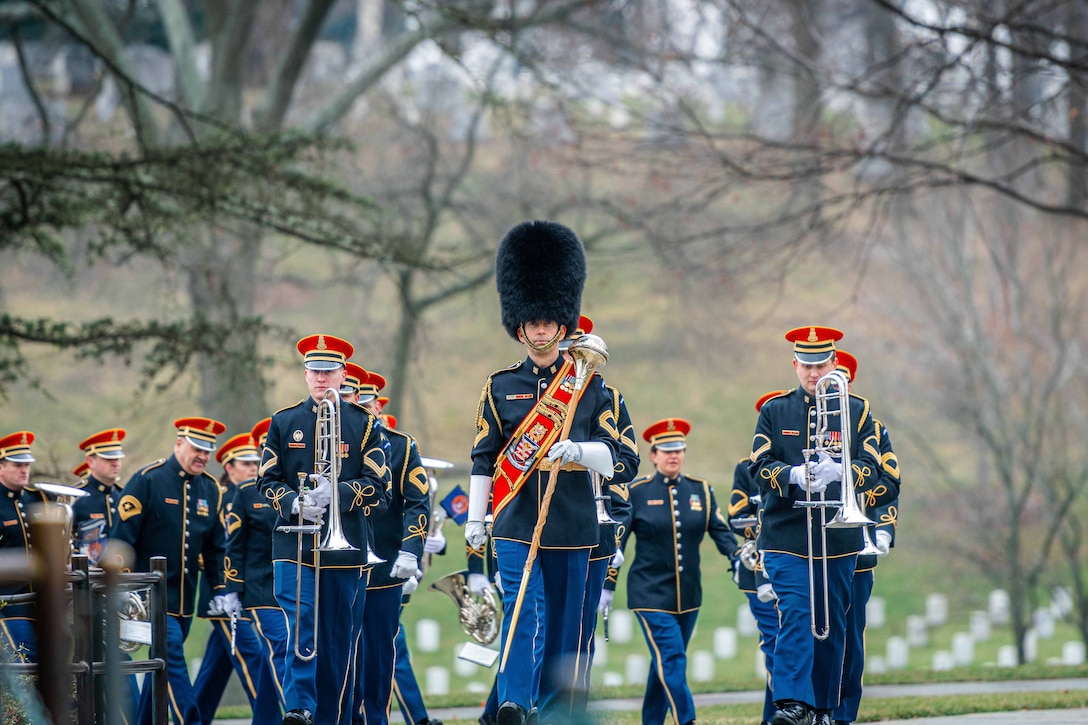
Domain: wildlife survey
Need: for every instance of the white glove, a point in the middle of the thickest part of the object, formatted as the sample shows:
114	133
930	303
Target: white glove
435	543
405	566
475	534
565	451
617	560
765	593
225	604
498	586
321	493
736	572
605	605
827	470
883	541
310	513
479	585
409	586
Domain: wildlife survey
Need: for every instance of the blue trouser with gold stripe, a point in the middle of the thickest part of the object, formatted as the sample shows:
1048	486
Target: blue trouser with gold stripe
405	686
806	669
557	582
667	636
270	626
375	656
853	666
17	636
218	663
598	570
766	617
323	684
180	695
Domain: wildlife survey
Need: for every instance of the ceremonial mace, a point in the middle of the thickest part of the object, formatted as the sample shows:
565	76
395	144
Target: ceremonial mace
589	353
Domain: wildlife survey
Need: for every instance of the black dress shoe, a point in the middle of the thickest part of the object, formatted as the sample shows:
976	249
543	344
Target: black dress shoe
531	716
429	721
841	722
791	712
486	719
510	713
300	716
821	718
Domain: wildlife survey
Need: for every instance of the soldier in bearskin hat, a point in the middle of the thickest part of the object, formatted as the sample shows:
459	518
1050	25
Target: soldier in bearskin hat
540	272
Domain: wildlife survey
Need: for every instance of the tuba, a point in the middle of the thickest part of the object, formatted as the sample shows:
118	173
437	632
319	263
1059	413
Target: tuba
135	621
479	616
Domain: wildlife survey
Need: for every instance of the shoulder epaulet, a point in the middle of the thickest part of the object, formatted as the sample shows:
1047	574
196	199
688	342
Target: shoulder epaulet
783	394
82	483
641	480
292	406
512	368
248	484
153	464
746	459
400	433
696	479
865	412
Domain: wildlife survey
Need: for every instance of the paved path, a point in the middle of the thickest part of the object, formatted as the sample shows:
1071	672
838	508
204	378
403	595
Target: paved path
1043	717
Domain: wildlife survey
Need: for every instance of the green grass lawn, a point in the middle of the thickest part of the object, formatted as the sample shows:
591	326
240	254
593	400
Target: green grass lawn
901	580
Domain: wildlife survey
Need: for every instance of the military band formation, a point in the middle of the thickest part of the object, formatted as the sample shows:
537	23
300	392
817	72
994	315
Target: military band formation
304	551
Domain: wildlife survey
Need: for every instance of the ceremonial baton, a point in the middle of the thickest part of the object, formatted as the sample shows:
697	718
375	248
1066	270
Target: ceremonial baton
589	353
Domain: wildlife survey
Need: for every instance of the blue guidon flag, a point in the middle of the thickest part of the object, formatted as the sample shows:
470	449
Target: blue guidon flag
456	505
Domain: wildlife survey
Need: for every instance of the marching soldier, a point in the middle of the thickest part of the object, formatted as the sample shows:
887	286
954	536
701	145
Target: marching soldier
172	508
233	644
399	536
353	380
248	575
744	504
807	671
540	272
883	534
671	513
93	515
17	620
318	687
607	555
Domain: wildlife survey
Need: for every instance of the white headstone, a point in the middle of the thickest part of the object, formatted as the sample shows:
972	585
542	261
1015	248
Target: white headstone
936	609
761	664
1061	602
874	613
1031	646
1073	653
963	648
942	660
897	651
725	643
438	681
980	626
702	666
1044	622
999	606
612	679
620	626
478	687
746	621
636	668
600	651
428	634
1006	656
877	665
917	634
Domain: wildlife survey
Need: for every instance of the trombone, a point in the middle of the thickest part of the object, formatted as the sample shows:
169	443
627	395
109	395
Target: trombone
832	439
326	463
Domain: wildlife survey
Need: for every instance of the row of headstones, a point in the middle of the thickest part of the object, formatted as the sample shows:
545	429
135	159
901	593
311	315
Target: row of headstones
897	652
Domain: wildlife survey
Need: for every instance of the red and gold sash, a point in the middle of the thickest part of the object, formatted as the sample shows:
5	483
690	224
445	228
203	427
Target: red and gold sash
533	436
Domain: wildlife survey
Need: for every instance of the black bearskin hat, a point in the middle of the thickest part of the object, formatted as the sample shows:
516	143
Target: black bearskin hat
540	270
